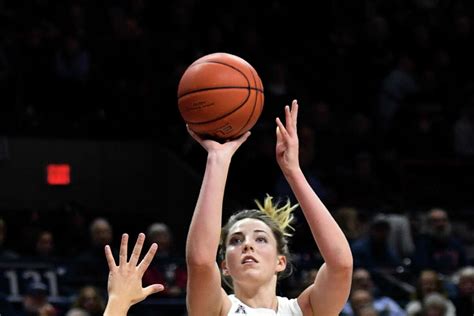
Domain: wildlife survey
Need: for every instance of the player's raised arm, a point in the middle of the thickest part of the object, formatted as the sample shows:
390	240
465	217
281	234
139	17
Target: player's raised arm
331	287
204	292
125	279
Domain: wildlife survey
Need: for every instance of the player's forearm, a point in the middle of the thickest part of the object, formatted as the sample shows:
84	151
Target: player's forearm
116	307
326	232
204	231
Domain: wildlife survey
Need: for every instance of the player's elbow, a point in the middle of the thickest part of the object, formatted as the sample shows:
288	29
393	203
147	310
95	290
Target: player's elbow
346	262
342	270
343	264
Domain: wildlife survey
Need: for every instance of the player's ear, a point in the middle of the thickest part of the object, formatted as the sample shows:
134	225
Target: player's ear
281	263
224	269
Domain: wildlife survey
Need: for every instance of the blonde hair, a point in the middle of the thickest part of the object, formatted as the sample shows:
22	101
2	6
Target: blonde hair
282	216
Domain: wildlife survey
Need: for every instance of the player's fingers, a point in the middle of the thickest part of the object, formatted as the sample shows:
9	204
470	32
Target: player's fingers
110	258
137	249
243	138
193	134
123	250
289	122
152	289
148	258
197	137
294	111
281	128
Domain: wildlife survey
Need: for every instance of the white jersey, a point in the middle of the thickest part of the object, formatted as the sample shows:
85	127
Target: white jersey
286	307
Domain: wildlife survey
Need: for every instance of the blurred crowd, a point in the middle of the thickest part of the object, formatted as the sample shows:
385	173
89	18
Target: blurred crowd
387	130
403	264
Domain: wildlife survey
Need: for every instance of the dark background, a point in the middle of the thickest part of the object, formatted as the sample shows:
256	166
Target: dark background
112	111
93	84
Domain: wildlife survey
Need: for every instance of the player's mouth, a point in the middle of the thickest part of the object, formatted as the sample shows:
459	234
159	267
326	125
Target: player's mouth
249	260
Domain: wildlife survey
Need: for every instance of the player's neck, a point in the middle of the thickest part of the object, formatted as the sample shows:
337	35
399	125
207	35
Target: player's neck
263	296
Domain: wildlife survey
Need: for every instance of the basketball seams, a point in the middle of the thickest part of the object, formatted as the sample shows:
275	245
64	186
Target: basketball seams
226	114
218	88
223	64
249	120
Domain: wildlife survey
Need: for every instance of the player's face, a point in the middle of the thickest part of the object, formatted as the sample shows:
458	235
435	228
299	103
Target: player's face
252	251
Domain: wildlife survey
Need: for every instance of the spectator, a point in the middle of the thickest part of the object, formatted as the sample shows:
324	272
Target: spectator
358	301
348	219
90	301
362	280
168	267
77	312
78	235
428	283
368	311
464	299
44	247
435	304
35	301
400	236
437	248
372	252
92	265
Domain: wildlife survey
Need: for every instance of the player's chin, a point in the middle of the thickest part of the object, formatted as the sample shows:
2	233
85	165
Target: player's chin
252	272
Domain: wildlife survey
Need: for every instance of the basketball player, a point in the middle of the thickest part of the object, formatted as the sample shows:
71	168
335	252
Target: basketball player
253	243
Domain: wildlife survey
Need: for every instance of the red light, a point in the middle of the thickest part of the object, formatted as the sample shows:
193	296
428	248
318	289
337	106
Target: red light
58	174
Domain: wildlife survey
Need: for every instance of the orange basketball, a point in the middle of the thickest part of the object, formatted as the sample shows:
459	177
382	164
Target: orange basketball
220	96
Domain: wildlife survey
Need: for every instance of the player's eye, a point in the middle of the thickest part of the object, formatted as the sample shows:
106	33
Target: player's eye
235	240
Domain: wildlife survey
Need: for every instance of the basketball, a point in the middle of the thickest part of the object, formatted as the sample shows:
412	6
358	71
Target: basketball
220	96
